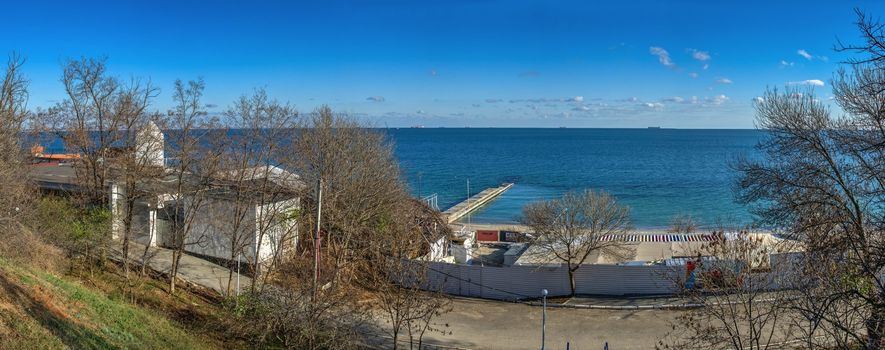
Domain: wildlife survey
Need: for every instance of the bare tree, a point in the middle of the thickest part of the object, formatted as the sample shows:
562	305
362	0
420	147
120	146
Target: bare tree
408	302
683	224
287	315
104	121
367	222
397	274
741	296
823	179
252	178
16	191
13	113
361	187
193	165
572	228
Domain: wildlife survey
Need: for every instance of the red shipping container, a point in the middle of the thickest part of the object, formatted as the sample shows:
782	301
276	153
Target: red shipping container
486	235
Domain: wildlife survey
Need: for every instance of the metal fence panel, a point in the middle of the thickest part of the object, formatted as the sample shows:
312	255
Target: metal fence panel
525	282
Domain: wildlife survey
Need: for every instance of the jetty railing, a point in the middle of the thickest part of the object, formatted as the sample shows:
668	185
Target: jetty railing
474	202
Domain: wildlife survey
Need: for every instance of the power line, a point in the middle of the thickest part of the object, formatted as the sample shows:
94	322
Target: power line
478	284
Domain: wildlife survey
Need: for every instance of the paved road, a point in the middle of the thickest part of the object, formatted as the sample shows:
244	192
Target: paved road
625	301
479	324
191	269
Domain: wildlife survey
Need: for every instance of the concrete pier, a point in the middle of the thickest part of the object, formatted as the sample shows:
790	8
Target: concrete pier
474	202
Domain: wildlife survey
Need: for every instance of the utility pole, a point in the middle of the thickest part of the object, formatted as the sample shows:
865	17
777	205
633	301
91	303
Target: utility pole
544	318
316	236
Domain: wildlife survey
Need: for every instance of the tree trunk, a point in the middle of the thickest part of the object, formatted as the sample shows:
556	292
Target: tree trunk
126	248
571	280
256	273
875	325
231	265
144	260
127	230
173	272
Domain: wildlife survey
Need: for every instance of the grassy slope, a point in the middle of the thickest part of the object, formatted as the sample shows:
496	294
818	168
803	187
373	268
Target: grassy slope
39	310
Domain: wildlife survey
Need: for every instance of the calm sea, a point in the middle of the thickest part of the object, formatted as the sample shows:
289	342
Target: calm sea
658	173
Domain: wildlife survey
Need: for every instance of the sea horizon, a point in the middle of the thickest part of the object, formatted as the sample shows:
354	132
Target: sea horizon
658	173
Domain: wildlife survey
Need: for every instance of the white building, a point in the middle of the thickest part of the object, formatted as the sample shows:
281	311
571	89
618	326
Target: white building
218	224
255	222
259	227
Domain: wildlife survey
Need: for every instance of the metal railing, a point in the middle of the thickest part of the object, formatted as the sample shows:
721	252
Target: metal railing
431	201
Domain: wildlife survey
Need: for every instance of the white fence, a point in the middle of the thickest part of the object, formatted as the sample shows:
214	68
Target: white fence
522	282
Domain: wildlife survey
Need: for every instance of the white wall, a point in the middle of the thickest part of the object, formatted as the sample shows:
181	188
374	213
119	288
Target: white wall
214	222
213	226
144	219
115	194
521	282
439	249
149	145
275	237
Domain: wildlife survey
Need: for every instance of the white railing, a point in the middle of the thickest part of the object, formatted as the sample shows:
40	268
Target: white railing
431	201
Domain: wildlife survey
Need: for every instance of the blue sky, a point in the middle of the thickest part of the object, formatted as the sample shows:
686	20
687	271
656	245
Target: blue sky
687	64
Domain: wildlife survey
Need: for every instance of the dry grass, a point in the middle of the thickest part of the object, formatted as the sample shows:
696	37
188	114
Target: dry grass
39	309
23	246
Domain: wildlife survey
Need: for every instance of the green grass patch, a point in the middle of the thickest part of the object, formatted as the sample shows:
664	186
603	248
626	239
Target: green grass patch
47	311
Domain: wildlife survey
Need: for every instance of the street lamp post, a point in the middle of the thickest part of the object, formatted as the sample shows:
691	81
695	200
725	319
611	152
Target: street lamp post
543	317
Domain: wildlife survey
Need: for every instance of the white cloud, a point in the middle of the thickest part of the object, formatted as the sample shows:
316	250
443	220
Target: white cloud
663	55
493	100
632	99
700	55
785	64
420	111
546	100
653	104
676	99
723	81
693	74
718	99
808	56
375	98
758	99
812	82
706	66
805	54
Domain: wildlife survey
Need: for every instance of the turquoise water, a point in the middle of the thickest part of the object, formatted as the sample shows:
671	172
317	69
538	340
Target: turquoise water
658	173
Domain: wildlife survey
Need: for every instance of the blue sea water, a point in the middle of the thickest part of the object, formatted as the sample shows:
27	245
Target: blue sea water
658	173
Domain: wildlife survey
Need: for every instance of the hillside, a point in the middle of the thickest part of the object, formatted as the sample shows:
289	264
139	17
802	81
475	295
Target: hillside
41	310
